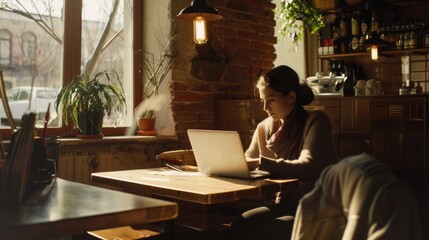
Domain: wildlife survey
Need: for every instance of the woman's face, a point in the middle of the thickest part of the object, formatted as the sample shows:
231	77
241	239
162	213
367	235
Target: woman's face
277	105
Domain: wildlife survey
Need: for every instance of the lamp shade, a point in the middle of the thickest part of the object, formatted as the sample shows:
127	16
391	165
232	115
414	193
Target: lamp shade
374	40
199	8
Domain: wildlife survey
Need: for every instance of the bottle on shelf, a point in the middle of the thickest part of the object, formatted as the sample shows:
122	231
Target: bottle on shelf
340	68
344	35
359	73
427	33
419	88
355	32
382	31
349	84
336	36
413	34
392	35
420	29
399	36
364	28
332	67
406	32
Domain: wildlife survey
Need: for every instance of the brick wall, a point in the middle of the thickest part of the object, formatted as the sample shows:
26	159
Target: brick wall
240	46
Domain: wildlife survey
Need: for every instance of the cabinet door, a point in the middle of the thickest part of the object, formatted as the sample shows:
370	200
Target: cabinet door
399	138
354	126
398	131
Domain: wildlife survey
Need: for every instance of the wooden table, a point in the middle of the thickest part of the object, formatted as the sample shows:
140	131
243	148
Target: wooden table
70	208
189	186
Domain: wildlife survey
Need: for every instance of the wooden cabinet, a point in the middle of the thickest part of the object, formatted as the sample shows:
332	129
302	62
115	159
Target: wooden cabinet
239	115
354	130
399	137
76	159
398	130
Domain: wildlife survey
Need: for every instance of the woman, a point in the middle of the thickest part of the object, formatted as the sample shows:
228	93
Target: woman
290	143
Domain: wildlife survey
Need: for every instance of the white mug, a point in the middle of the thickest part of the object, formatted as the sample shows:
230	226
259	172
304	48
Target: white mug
371	88
360	88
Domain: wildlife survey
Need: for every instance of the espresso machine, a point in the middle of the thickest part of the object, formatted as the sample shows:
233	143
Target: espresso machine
327	85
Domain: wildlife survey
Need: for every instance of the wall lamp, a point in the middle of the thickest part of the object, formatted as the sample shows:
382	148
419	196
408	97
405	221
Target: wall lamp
200	13
374	42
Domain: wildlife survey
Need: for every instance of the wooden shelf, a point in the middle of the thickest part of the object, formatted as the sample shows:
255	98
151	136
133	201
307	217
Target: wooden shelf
386	53
420	51
345	55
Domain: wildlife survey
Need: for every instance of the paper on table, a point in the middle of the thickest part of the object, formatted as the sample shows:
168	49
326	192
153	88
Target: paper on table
168	172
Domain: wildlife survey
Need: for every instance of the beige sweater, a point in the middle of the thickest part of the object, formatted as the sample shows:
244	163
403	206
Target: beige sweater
317	152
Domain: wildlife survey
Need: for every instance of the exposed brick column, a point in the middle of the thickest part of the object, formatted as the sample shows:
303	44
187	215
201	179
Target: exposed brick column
240	46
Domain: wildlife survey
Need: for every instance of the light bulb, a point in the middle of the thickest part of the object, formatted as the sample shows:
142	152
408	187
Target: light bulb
374	53
200	30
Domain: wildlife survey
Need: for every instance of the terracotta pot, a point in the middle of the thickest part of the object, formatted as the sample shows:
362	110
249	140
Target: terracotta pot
146	126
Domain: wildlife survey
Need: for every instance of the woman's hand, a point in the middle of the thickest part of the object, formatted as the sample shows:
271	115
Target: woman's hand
252	163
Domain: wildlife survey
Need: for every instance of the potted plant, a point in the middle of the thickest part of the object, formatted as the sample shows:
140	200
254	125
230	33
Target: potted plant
290	12
85	100
155	69
146	123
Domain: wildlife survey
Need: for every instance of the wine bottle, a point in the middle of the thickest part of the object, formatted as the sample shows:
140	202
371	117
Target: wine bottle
355	32
344	34
364	27
348	88
336	36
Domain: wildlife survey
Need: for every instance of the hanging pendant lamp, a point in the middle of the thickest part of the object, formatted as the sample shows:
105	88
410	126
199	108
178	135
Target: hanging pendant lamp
200	13
375	43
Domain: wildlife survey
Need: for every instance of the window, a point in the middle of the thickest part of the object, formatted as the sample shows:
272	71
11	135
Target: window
29	45
110	49
5	47
12	94
68	25
24	95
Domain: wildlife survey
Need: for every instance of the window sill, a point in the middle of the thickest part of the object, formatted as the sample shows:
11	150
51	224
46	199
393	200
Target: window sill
113	139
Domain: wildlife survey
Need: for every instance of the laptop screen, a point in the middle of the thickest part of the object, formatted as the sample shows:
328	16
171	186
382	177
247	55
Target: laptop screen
219	153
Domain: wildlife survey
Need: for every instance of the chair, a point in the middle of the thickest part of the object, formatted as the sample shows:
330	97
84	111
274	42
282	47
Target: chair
358	198
179	157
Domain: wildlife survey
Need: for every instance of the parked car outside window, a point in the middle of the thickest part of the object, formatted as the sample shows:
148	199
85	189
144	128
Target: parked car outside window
19	102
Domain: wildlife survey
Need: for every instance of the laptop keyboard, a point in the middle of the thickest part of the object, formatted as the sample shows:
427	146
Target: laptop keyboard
259	173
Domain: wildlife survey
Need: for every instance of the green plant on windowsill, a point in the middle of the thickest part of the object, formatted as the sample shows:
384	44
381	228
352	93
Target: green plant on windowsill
288	14
85	100
155	69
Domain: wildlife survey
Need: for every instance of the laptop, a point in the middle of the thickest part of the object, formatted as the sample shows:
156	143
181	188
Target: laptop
221	153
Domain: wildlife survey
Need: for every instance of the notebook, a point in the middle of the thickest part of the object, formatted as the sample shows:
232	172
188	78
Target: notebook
221	153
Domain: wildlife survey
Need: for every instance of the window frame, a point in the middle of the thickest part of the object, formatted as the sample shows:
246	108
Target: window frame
28	45
4	40
72	61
